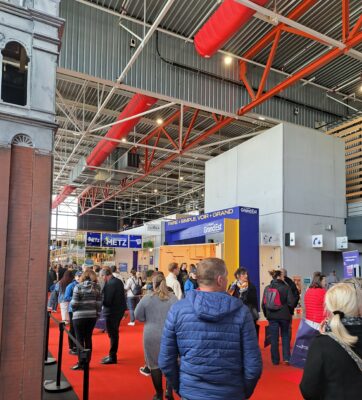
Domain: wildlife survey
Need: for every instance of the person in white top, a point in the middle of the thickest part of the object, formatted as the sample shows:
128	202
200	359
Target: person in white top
132	297
172	281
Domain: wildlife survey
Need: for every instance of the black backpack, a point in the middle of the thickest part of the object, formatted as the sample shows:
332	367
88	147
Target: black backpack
137	290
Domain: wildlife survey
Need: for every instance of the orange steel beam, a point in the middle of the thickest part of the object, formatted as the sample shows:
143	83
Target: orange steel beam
356	28
149	162
168	121
268	38
192	123
269	63
245	81
309	69
290	29
169	138
345	20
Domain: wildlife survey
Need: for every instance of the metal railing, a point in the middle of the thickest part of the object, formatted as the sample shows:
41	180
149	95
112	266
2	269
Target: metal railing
59	385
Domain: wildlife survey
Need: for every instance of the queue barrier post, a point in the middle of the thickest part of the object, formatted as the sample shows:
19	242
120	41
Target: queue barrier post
85	359
58	385
48	360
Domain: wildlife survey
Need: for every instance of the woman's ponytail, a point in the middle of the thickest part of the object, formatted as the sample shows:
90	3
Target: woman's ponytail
340	301
340	331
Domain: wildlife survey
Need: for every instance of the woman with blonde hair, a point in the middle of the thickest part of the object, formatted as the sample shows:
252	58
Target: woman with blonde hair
152	310
86	304
333	368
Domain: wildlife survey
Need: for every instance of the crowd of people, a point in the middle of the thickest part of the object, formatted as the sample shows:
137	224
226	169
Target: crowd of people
201	333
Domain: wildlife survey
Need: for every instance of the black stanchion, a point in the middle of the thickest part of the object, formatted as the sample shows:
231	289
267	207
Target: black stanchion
48	360
85	358
58	385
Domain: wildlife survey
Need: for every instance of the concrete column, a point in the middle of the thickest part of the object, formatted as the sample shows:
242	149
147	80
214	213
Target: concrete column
23	273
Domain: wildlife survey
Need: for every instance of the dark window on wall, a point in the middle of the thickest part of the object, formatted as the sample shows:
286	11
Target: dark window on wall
14	74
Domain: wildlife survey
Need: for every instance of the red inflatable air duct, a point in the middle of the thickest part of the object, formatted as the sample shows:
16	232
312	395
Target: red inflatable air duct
138	104
66	191
222	25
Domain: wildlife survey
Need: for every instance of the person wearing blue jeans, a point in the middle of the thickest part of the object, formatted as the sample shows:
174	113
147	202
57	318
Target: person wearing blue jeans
283	326
278	303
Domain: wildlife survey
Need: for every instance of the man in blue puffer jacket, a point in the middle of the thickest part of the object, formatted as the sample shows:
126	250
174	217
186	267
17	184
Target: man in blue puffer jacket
209	349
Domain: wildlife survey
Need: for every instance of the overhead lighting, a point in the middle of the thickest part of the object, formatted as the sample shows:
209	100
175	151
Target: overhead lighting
262	118
181	178
158	211
124	140
179	204
136	200
155	190
119	207
159	121
202	195
228	60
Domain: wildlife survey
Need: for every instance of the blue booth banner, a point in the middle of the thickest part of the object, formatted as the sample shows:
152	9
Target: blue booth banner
114	240
93	239
351	263
135	241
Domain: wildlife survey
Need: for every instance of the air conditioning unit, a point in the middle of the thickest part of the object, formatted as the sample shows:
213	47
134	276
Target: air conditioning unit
129	161
77	170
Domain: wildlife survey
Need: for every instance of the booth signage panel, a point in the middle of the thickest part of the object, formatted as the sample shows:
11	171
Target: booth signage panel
123	267
199	230
93	239
135	242
350	263
114	240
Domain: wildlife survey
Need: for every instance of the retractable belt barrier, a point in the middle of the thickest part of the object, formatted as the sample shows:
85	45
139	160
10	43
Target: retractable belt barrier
84	357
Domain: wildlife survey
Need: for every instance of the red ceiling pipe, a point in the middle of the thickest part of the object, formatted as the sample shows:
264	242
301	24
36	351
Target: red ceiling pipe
66	191
222	25
138	104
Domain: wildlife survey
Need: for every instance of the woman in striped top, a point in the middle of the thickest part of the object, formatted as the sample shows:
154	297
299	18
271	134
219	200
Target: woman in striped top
86	304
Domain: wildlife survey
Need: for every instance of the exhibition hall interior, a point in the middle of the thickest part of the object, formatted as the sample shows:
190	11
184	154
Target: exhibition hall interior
181	214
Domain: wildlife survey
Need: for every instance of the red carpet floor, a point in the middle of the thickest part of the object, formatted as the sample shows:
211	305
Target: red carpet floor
123	381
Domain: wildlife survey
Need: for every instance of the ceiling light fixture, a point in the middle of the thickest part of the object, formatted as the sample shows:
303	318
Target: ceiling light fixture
262	118
179	204
124	140
136	200
181	178
155	190
228	60
159	121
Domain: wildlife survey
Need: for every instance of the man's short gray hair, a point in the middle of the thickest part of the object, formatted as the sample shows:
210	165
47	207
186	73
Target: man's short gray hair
209	269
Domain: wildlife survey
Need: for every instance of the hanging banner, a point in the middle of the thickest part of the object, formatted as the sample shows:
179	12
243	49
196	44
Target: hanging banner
350	263
135	242
93	239
114	240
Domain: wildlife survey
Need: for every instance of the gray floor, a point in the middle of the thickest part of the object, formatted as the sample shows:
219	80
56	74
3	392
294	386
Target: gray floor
50	373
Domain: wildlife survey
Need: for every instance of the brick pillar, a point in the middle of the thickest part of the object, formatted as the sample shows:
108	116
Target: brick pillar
25	200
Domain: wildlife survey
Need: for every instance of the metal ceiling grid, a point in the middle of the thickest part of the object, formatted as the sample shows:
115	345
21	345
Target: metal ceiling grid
184	18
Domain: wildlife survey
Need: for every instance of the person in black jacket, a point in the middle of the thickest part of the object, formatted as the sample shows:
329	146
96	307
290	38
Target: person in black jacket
293	288
278	301
333	370
114	306
245	290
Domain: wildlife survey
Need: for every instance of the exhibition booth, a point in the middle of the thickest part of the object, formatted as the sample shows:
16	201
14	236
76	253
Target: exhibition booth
231	234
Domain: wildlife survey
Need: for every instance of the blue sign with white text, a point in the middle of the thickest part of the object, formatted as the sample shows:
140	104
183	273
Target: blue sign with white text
93	239
350	263
135	241
114	240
